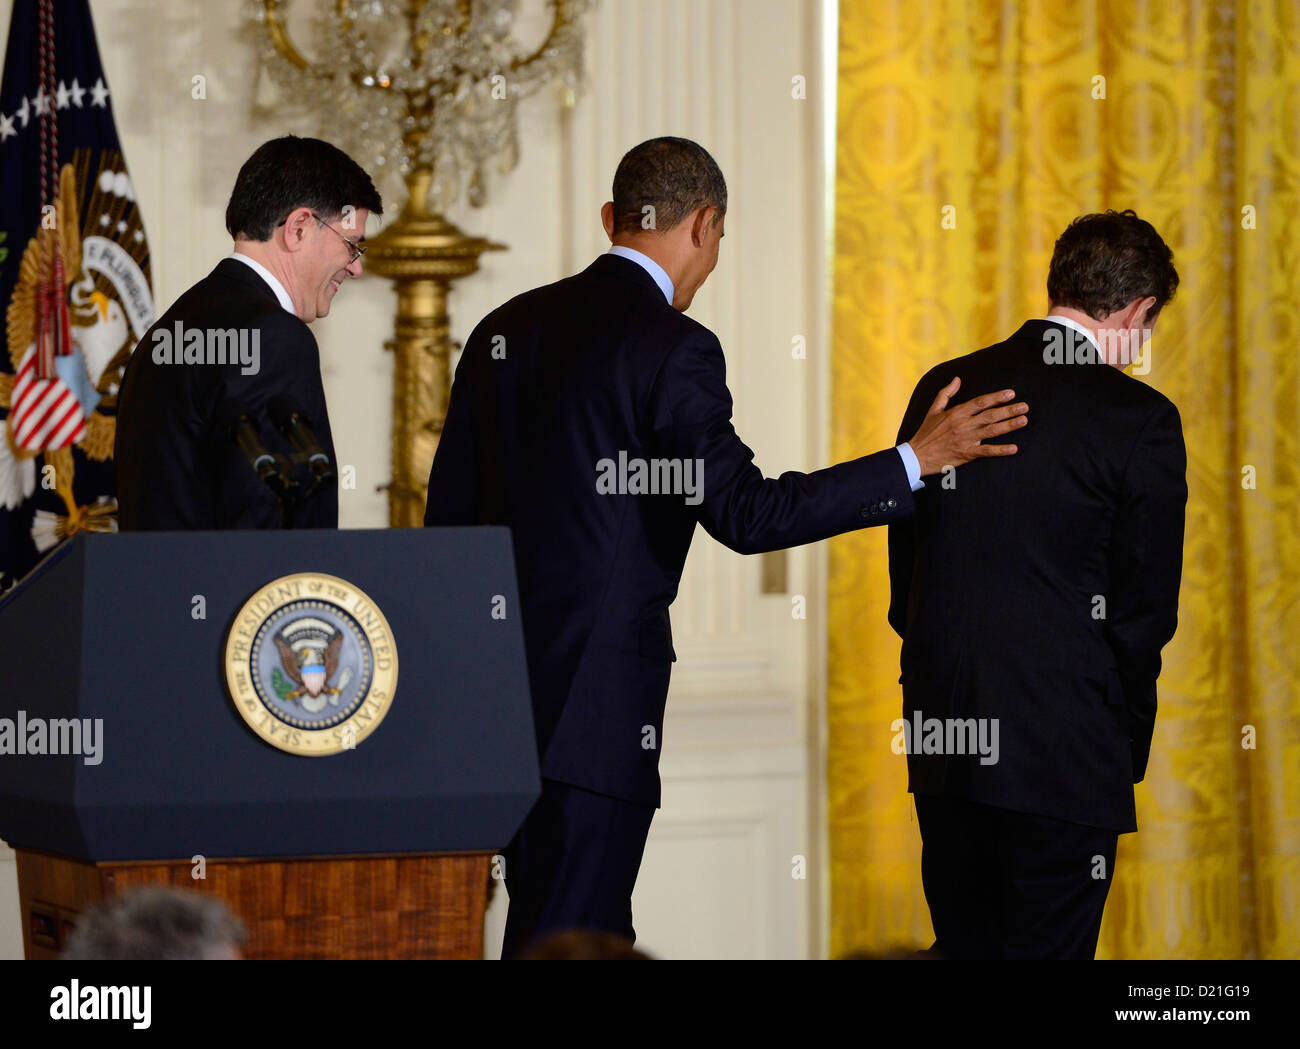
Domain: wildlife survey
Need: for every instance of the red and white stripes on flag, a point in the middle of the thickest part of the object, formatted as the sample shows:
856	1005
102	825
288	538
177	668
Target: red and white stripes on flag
44	413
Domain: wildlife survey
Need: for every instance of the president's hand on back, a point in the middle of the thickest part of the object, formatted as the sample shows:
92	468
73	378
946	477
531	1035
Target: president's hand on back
953	436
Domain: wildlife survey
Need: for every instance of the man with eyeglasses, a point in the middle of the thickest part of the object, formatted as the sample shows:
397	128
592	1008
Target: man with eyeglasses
198	395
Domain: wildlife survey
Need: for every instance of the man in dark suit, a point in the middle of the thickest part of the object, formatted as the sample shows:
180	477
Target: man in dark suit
1033	599
592	416
238	341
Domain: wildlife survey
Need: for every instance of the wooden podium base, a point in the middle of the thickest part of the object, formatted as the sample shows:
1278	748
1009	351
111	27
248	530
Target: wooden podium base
409	906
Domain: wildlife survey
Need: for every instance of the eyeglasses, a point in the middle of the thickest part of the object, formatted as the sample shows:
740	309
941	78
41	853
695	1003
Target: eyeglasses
357	249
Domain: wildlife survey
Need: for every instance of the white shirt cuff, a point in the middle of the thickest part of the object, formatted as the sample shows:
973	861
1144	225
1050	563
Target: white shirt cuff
913	466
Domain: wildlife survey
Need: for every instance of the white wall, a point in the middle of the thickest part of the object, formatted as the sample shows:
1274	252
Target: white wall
742	766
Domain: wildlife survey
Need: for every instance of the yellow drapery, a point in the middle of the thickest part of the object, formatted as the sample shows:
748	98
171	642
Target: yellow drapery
1018	117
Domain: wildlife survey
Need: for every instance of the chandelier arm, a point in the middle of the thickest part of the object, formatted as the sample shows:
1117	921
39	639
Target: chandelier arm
558	24
279	34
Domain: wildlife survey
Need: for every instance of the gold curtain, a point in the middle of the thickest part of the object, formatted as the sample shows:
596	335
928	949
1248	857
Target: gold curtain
1018	117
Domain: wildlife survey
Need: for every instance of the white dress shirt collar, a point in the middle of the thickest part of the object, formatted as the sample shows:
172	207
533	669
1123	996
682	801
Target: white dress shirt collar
267	276
1070	322
650	266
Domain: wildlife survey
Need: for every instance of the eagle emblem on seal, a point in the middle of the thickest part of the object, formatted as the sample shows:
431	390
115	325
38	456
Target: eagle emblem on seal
309	654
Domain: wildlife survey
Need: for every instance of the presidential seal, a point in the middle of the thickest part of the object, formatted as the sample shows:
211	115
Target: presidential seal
311	664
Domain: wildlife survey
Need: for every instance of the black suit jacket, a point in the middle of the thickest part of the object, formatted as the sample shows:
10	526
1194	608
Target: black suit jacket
587	368
175	468
998	584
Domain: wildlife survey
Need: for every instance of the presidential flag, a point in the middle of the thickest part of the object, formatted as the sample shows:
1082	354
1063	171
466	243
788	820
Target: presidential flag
74	283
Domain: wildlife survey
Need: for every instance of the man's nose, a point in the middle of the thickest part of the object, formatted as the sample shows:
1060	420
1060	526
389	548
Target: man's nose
354	267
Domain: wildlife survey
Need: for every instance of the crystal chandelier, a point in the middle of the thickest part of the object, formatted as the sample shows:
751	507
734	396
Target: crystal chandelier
406	84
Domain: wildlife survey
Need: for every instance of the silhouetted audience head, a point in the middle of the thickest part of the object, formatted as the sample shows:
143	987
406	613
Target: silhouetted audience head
157	924
583	945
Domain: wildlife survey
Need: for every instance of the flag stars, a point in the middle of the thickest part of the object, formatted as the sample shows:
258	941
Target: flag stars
121	227
104	220
66	97
138	236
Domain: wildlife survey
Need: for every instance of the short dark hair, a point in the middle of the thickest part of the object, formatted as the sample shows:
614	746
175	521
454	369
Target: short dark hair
675	176
292	172
156	923
1103	262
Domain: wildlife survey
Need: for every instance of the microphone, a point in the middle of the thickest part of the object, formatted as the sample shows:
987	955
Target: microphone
292	422
234	421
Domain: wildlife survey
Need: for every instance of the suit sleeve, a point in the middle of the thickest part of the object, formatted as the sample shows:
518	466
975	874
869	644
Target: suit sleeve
1146	568
742	509
453	494
902	534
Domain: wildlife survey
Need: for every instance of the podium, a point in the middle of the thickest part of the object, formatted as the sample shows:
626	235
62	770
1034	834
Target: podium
330	730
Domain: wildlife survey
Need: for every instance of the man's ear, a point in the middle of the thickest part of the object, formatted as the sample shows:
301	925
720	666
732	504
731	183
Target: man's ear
607	219
294	230
1134	314
699	223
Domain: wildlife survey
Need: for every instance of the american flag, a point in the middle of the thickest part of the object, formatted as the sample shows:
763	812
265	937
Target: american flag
74	283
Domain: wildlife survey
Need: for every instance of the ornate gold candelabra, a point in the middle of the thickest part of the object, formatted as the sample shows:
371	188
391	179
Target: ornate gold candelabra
422	253
440	100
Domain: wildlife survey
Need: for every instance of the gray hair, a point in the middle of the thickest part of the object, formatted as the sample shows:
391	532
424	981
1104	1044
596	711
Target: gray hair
156	924
674	176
